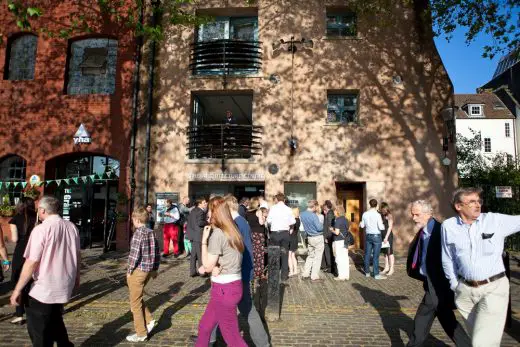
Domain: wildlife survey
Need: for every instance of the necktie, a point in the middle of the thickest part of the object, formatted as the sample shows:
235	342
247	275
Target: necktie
416	254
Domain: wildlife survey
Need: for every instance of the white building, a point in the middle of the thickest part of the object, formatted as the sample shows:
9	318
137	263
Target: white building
486	114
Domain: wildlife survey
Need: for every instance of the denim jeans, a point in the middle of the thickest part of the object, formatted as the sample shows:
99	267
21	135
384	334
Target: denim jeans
372	249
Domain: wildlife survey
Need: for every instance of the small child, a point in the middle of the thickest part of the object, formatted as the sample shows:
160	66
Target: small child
143	263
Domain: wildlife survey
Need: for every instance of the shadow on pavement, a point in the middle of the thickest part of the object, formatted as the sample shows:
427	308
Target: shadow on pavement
393	319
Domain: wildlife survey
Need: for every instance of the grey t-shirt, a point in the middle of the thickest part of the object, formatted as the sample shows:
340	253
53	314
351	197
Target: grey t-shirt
230	260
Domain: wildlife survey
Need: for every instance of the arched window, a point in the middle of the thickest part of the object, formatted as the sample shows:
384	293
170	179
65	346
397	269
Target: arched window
21	57
12	174
92	66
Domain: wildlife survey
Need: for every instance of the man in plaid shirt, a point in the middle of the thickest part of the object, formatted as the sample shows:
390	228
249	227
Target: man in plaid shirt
143	263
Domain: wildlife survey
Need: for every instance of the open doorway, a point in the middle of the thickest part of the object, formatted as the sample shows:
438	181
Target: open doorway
351	196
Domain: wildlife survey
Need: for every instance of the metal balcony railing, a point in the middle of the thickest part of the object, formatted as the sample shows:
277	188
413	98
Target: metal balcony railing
224	141
226	57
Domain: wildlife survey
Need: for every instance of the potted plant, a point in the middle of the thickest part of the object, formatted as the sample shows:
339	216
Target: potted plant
31	192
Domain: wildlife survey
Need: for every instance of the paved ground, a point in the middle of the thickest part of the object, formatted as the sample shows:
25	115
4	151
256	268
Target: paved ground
361	312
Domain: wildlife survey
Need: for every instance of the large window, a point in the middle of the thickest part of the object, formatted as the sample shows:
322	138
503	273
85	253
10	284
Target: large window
12	174
508	130
92	66
229	28
341	23
342	108
487	145
21	57
299	193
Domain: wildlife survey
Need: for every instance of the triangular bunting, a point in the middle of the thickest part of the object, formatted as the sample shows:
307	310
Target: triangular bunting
67	180
7	184
58	182
75	179
1	183
84	179
16	184
92	177
24	184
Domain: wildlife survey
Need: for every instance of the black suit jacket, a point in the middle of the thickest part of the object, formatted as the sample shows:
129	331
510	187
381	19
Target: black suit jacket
436	283
328	222
196	222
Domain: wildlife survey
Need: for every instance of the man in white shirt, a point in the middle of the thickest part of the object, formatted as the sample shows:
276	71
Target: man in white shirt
373	224
281	221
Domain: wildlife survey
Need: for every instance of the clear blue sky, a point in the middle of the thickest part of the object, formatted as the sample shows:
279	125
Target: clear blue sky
465	65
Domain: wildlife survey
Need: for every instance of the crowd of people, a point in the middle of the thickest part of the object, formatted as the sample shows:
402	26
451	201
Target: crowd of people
459	261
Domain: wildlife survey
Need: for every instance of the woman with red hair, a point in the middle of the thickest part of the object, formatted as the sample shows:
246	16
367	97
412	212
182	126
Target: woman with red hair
222	257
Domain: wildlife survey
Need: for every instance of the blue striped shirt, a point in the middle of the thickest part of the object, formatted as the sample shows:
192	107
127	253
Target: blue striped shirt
474	251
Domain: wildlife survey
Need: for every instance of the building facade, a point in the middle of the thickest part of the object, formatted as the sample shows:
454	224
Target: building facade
66	107
307	98
485	115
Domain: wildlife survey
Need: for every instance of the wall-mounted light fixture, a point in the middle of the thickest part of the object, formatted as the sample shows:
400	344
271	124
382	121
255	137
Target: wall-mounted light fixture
397	80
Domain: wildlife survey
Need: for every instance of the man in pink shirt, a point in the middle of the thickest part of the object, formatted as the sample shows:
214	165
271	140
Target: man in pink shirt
52	261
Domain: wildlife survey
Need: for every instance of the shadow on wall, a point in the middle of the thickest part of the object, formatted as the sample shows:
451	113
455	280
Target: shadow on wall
398	139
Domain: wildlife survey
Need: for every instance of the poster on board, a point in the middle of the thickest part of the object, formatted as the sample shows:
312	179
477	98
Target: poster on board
160	204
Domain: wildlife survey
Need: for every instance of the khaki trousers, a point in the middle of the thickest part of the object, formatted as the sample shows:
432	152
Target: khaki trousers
484	310
314	254
142	316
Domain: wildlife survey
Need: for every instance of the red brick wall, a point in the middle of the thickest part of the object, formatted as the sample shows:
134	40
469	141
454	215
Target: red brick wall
38	120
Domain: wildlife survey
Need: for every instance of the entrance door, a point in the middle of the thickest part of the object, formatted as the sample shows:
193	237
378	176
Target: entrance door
351	196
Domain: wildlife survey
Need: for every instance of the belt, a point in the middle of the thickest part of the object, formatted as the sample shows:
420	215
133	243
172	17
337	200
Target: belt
279	231
486	281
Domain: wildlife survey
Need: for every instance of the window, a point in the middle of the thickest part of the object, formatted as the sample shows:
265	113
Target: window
476	110
342	108
341	23
299	193
229	28
92	66
12	175
487	145
21	57
508	130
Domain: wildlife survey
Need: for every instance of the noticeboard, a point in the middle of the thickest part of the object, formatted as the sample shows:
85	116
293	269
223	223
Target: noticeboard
160	203
504	192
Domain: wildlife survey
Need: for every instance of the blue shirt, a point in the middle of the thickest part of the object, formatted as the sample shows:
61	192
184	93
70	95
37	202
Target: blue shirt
427	232
474	251
247	256
311	223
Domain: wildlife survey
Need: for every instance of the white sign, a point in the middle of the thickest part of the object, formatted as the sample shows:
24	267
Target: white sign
232	176
504	192
34	180
82	135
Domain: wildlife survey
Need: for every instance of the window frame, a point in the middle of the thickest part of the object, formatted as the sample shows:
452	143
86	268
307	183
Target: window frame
7	63
471	109
13	192
487	145
507	128
344	95
340	24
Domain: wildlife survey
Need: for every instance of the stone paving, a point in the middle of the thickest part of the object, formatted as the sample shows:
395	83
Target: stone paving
360	312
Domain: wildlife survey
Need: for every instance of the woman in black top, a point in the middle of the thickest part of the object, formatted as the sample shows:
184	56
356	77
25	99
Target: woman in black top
387	236
256	221
21	226
339	229
293	243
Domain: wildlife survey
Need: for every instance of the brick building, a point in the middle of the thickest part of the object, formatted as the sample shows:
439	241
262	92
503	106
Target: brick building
352	107
51	87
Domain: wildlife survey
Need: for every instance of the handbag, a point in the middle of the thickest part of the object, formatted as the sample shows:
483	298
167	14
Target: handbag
348	237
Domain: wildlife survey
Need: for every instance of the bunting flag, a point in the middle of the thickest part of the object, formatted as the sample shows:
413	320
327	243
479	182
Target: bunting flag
84	179
7	184
75	179
92	177
67	180
1	183
24	184
58	182
16	184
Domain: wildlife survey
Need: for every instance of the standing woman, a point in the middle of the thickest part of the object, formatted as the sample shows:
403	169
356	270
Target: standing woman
388	221
256	221
340	230
21	226
222	257
293	243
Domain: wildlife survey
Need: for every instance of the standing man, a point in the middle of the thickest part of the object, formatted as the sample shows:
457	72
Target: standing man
472	246
171	217
281	220
195	225
242	208
328	260
373	224
52	260
313	229
424	258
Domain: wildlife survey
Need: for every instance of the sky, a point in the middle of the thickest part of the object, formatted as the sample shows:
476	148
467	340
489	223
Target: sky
466	67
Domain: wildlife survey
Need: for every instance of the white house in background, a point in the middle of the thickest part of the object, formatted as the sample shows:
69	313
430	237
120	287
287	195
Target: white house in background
487	114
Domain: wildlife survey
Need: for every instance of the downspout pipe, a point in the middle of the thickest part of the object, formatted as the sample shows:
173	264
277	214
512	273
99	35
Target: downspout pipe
135	110
149	105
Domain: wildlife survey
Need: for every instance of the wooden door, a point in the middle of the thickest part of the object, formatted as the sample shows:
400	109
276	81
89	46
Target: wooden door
352	199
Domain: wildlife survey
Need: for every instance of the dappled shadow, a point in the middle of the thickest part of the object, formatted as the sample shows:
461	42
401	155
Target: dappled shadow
392	317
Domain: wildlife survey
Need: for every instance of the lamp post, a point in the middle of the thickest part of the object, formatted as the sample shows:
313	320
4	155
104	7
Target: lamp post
292	46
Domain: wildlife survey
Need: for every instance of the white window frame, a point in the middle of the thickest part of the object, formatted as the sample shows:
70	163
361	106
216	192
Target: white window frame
475	108
487	143
507	129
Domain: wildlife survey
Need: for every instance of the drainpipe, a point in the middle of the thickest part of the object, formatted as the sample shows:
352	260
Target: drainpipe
135	110
149	105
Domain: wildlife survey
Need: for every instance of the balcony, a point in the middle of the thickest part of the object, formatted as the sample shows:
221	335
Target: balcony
226	57
224	141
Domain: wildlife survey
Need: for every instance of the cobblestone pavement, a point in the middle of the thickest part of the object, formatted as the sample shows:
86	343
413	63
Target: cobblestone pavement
360	312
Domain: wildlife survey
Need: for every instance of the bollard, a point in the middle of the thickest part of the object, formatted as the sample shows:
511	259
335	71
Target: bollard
272	310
